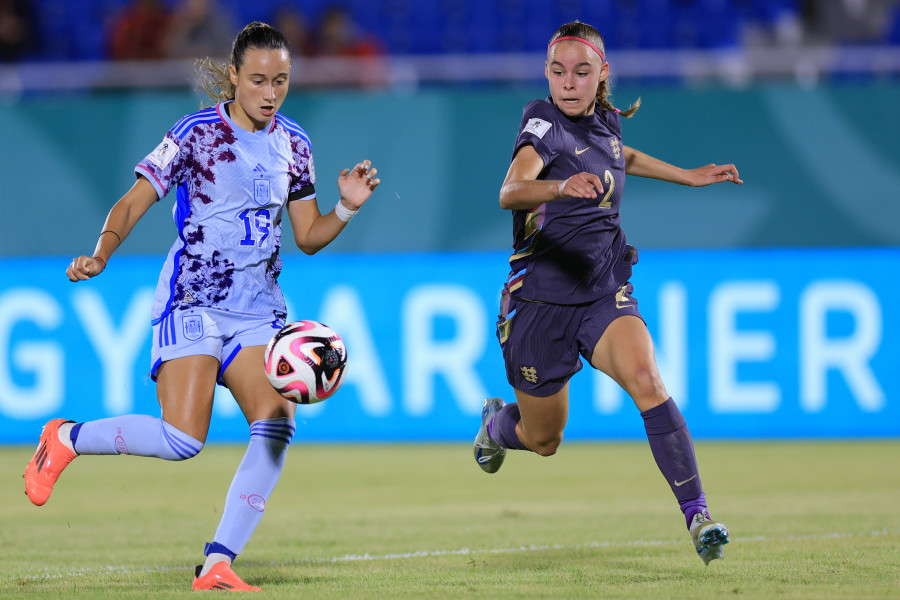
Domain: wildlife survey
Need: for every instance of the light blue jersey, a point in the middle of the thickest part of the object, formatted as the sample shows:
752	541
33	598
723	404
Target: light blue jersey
232	186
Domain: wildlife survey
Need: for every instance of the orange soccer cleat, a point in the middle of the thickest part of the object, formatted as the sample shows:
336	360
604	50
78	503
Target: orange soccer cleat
221	577
48	462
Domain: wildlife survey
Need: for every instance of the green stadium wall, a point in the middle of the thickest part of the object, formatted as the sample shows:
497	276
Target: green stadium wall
821	166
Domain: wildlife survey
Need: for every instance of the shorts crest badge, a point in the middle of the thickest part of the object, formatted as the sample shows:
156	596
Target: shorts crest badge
530	374
192	326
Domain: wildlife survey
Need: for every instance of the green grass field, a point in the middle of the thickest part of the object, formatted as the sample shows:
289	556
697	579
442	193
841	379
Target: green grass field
807	520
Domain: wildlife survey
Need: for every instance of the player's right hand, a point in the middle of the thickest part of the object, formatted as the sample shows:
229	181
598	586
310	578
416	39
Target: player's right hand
84	267
582	185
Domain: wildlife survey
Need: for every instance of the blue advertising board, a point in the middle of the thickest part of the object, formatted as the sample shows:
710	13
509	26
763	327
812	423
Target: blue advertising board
751	344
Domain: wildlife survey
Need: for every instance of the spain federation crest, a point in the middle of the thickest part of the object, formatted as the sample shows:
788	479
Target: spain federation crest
262	191
192	327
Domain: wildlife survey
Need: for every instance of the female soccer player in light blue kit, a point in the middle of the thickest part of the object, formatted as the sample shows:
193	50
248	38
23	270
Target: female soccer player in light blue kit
568	293
235	167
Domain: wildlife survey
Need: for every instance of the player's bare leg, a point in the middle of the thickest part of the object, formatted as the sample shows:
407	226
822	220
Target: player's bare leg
543	420
185	388
247	381
625	353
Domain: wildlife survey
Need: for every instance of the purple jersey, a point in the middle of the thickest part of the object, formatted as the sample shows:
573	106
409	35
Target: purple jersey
571	250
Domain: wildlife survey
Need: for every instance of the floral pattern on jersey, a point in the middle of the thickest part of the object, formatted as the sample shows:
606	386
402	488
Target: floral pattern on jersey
273	270
195	236
204	283
299	169
216	144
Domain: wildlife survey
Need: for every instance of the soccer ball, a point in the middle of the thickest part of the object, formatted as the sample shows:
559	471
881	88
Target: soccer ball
306	362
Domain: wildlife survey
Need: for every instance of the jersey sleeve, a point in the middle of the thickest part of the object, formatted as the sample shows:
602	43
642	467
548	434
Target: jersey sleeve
303	172
613	122
538	130
165	167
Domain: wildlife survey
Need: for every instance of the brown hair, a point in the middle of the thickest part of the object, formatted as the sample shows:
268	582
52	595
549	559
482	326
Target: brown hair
586	32
215	78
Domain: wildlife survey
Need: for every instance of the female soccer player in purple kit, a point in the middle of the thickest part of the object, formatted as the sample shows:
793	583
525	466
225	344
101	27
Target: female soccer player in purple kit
236	166
568	292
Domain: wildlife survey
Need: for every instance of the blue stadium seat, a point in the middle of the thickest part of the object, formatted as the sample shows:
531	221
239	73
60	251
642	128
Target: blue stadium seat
77	30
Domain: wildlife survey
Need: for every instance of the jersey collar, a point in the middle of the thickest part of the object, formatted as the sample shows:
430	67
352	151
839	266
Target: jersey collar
240	132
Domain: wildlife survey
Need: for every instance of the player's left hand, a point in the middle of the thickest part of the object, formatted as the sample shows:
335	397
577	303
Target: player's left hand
713	173
357	184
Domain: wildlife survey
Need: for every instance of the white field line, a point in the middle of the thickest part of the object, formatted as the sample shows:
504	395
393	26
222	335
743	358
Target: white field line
125	570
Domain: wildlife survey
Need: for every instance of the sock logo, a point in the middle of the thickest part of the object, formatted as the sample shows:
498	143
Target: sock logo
681	483
257	502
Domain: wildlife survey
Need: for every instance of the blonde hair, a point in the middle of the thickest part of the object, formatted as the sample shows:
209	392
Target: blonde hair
585	32
214	79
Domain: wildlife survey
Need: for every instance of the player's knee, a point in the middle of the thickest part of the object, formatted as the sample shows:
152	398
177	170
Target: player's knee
546	446
190	453
178	445
184	453
645	382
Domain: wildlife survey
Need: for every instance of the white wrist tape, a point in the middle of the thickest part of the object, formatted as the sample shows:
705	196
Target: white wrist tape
343	213
562	186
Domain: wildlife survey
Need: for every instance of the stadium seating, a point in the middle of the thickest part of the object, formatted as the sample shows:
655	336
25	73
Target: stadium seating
69	30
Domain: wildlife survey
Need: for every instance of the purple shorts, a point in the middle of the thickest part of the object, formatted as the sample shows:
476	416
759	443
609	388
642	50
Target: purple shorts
542	342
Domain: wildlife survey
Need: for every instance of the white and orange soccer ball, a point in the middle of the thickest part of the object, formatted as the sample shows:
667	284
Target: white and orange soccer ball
306	362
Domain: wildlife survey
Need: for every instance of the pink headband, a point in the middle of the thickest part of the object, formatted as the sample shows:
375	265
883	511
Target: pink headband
577	39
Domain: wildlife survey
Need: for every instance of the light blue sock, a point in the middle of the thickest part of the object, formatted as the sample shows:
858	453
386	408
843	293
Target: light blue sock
254	481
140	435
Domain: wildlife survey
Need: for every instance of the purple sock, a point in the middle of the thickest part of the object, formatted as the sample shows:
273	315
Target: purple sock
673	450
692	507
502	427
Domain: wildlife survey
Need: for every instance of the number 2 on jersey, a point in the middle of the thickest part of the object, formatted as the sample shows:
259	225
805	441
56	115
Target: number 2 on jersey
255	222
610	186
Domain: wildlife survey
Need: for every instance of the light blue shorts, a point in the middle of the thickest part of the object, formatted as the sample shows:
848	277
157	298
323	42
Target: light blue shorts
209	331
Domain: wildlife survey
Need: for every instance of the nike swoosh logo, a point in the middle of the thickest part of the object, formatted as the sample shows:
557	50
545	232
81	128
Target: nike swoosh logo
483	459
681	483
577	151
